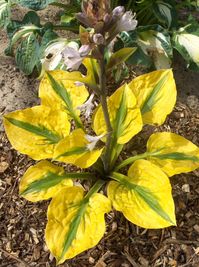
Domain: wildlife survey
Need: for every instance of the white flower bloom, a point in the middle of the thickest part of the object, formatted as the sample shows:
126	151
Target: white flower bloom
191	43
53	56
93	140
84	50
127	22
87	106
53	53
73	45
73	56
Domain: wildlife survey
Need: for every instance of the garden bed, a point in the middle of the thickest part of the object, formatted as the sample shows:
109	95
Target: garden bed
22	223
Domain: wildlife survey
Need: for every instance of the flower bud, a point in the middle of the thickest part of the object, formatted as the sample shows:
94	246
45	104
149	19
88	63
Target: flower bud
81	17
118	11
107	18
94	11
98	38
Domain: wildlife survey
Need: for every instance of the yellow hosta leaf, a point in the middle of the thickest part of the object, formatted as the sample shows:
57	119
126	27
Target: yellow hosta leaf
75	223
35	131
92	71
120	57
43	181
144	197
124	115
175	154
156	95
57	99
75	149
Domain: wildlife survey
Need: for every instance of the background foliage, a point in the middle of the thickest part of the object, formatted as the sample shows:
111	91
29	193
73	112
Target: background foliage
160	31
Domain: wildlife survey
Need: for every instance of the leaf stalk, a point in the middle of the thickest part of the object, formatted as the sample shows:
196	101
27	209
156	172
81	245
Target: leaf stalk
134	158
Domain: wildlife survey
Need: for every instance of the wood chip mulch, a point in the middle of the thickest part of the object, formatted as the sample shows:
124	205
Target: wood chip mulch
22	223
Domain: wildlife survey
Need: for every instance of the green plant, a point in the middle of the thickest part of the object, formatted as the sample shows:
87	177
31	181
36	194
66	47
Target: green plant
143	192
160	31
30	37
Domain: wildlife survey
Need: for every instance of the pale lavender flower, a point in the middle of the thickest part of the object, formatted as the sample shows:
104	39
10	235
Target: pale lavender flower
127	22
84	50
87	106
73	56
93	140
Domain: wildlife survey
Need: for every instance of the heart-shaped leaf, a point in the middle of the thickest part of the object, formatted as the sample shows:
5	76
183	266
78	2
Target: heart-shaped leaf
156	95
75	149
125	117
75	222
144	196
35	131
43	181
173	153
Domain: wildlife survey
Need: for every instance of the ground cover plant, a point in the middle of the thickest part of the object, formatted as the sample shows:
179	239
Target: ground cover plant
160	31
55	130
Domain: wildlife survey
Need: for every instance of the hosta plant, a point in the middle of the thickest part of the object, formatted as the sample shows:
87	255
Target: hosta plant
58	131
160	31
30	37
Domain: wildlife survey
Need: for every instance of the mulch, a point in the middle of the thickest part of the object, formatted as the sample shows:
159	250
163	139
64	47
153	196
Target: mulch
22	223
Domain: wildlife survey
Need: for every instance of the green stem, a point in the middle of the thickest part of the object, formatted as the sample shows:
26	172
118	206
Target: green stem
102	80
114	157
66	28
94	88
99	167
96	187
118	177
131	160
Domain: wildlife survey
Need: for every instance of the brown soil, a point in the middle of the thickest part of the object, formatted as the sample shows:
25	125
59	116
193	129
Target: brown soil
22	223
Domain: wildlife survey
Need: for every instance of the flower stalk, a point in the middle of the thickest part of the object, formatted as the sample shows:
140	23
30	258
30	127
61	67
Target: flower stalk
103	100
